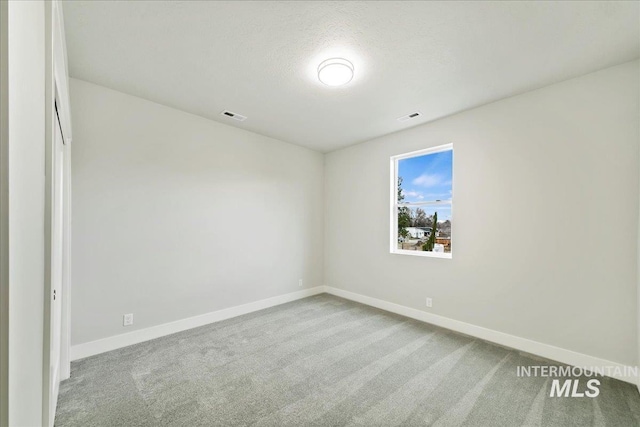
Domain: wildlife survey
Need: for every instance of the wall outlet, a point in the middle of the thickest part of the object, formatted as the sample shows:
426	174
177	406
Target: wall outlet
429	302
127	319
300	282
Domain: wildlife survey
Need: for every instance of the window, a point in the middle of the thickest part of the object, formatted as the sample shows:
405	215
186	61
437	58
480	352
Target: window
421	202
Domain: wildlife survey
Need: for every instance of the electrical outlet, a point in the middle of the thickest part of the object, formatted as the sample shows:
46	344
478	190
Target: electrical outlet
300	282
429	302
127	319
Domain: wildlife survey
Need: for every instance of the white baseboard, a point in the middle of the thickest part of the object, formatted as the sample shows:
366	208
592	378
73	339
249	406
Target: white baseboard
522	344
80	351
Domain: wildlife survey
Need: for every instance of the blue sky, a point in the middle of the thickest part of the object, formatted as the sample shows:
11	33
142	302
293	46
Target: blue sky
428	178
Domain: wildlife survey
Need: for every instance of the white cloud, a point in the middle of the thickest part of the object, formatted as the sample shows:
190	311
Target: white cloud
427	180
412	194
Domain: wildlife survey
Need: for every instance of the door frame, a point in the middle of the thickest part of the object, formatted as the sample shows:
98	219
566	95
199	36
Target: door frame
56	98
4	214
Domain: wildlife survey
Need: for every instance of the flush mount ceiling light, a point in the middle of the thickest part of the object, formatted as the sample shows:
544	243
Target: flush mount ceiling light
335	72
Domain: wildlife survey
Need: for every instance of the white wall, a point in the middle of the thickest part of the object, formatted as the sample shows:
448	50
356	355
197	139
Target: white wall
545	217
26	210
175	215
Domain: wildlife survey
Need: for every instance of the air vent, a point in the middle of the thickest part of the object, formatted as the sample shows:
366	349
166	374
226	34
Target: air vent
234	116
409	116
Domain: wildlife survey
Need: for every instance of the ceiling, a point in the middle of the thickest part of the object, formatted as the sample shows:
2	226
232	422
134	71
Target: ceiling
260	59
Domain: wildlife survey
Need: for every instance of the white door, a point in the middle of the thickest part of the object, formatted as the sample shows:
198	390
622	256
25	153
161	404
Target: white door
57	258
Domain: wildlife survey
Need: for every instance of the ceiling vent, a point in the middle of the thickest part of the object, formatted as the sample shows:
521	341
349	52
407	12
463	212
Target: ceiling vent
409	116
234	116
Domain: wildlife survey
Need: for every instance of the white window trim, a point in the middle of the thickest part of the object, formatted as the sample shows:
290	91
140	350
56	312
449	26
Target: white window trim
393	202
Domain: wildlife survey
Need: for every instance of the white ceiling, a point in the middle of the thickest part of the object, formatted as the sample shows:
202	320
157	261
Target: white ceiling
259	59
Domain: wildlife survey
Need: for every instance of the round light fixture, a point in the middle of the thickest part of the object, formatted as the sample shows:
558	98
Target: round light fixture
335	72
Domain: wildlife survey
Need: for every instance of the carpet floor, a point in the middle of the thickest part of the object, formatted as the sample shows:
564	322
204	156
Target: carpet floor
326	361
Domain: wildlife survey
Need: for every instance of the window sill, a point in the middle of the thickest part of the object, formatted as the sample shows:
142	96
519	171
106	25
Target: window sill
423	253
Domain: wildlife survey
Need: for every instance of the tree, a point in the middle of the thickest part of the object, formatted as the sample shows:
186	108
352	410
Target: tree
431	241
404	214
420	219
